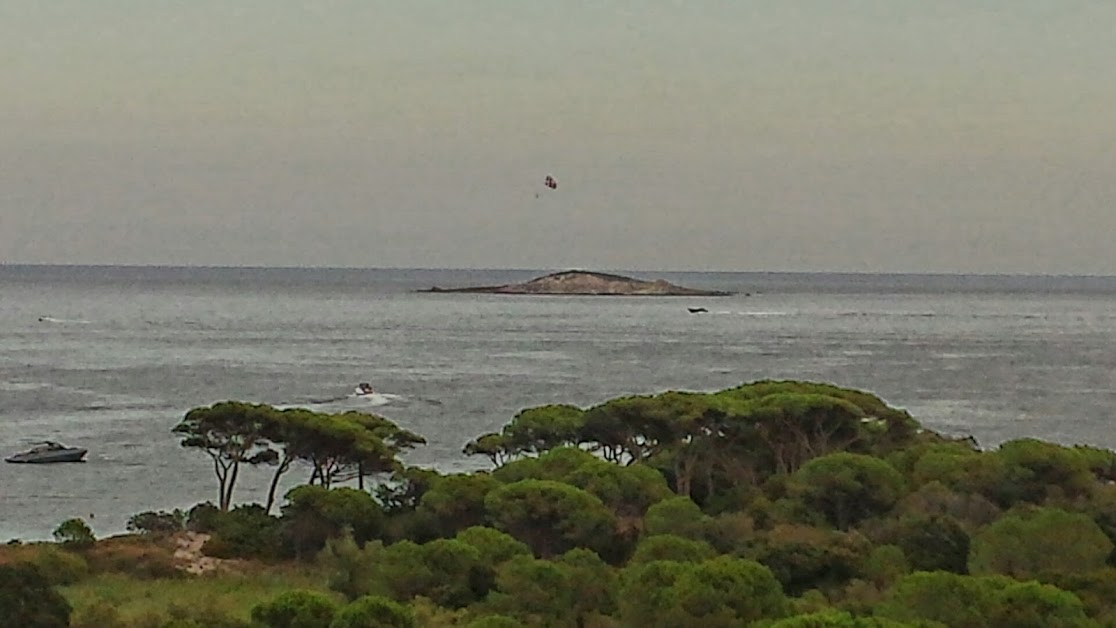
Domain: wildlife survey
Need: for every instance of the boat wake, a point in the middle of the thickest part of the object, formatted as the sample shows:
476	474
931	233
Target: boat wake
350	401
376	399
63	321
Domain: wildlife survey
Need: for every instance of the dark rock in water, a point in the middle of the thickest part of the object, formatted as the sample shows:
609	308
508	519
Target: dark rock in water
581	282
697	310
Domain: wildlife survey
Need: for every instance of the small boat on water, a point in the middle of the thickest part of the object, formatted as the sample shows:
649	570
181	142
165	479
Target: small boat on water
364	389
47	452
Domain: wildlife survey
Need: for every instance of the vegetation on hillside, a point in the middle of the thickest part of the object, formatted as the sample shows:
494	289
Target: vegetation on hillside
774	503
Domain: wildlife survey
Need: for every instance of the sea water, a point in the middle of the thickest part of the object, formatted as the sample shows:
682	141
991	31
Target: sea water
111	358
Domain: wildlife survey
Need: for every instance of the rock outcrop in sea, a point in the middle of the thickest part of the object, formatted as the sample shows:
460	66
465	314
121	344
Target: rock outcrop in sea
582	282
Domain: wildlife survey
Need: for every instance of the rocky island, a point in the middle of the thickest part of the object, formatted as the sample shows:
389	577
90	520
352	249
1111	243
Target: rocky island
581	282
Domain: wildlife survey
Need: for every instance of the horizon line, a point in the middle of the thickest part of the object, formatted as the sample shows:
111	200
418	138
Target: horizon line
555	269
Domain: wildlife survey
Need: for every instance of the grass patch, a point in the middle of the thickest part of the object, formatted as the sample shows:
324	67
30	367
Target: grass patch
140	601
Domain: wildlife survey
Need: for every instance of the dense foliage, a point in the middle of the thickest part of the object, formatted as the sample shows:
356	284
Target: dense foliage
774	503
28	601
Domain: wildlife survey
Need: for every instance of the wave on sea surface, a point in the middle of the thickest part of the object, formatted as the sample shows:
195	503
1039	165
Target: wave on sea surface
763	313
10	386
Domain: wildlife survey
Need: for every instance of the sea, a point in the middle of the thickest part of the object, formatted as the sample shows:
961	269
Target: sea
111	358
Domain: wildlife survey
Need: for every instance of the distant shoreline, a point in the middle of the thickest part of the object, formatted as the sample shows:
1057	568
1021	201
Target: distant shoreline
587	283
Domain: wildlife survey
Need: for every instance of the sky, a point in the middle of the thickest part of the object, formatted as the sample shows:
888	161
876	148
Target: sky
953	136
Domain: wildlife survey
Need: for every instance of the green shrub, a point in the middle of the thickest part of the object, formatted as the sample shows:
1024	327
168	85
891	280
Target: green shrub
314	514
161	522
202	517
846	488
246	532
1028	542
74	533
985	601
671	547
372	611
296	609
936	543
495	547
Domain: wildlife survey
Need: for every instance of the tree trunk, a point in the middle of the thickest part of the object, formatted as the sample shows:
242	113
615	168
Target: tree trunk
360	475
226	499
279	471
683	476
221	473
221	493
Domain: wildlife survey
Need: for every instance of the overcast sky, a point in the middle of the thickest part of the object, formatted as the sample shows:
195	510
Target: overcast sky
861	135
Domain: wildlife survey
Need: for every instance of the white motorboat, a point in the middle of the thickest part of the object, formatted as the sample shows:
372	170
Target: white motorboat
48	452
